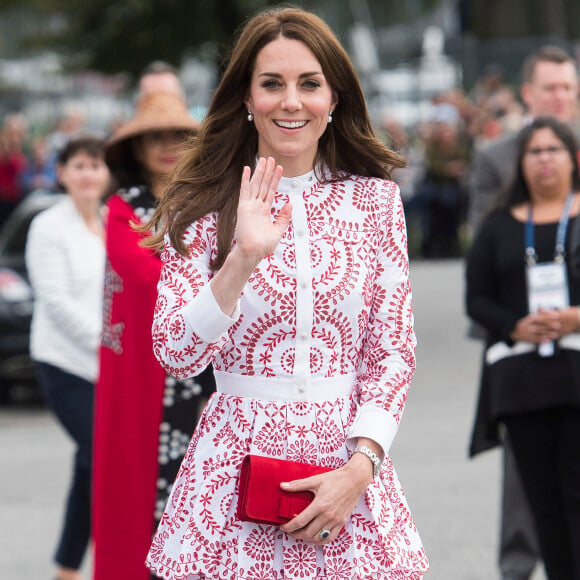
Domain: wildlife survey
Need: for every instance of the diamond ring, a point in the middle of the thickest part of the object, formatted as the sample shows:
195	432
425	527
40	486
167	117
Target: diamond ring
323	534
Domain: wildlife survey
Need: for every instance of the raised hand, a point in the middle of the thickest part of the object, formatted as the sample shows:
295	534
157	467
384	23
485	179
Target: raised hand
257	234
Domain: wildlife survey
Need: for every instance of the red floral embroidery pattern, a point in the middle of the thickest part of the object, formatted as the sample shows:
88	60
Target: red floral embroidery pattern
338	305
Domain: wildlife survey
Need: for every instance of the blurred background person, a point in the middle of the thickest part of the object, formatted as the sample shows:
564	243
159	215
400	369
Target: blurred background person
549	87
144	419
162	76
398	138
468	112
15	129
536	395
497	107
65	258
40	172
500	114
488	84
13	162
159	76
72	122
441	200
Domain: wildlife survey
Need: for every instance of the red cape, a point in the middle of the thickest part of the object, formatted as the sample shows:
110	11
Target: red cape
128	405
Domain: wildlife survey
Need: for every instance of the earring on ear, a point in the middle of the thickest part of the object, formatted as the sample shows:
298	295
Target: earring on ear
330	117
250	116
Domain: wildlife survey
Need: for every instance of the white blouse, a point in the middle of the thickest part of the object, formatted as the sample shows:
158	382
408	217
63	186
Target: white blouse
66	264
333	299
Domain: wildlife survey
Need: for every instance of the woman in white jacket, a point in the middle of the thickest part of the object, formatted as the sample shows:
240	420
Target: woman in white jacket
65	258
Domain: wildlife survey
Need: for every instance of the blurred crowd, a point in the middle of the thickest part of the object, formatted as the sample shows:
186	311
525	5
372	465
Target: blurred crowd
439	150
433	185
28	161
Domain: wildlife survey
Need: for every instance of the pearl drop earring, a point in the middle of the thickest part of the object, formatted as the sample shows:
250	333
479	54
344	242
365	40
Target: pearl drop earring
330	117
250	116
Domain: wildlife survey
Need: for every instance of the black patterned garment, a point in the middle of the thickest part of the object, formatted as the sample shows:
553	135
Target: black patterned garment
182	405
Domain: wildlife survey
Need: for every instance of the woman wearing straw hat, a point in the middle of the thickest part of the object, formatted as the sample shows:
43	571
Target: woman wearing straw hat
143	419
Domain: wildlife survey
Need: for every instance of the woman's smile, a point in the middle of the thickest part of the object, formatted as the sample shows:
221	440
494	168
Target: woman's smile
290	125
290	100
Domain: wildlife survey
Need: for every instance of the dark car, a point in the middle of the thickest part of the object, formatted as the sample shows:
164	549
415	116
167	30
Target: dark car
16	295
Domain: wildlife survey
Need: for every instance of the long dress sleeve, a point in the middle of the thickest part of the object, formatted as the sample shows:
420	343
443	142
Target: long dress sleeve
189	326
388	352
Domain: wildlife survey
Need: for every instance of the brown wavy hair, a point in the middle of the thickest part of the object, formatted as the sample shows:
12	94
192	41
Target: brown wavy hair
207	178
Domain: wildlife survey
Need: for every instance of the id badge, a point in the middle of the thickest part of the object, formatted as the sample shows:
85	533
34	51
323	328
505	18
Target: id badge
547	289
547	286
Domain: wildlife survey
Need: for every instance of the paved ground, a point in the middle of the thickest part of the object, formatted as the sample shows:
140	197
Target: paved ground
455	501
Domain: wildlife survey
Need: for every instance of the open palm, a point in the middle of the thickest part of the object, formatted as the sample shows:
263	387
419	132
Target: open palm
257	235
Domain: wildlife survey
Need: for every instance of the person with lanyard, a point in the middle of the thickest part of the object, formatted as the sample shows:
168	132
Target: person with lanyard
549	87
522	289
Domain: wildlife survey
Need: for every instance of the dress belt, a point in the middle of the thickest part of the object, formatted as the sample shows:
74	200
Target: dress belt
285	389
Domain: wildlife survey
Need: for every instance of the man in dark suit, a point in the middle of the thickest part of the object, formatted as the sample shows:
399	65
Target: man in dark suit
549	87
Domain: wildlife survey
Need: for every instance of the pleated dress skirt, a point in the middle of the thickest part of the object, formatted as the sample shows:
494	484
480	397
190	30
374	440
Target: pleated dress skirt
200	537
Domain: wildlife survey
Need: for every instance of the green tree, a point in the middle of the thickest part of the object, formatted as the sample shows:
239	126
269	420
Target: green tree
489	19
113	36
124	35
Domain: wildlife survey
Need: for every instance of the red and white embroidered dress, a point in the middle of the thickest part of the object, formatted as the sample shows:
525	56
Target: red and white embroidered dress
320	351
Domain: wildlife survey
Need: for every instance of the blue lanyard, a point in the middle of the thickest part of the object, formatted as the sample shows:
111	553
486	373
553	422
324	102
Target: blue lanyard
531	256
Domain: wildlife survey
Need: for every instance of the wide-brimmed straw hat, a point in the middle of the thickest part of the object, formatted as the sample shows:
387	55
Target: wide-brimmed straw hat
159	111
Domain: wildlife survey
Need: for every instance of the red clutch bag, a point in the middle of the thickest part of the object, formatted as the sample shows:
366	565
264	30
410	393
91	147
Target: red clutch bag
260	498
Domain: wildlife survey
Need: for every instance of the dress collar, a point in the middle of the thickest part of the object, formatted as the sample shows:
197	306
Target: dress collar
298	183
